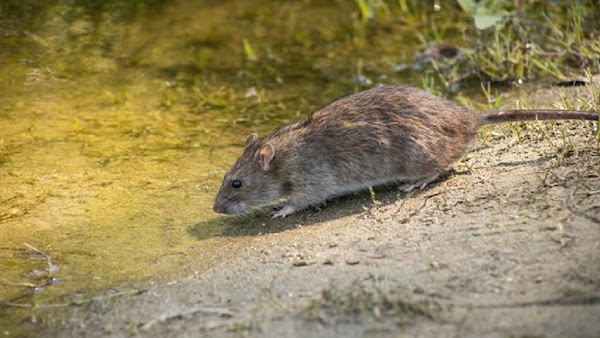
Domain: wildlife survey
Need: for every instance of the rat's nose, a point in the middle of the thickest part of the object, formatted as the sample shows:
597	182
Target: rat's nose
219	209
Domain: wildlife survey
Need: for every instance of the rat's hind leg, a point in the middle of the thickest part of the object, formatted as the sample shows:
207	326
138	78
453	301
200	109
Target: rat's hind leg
421	184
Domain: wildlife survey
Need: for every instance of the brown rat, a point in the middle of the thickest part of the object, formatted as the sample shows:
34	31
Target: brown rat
387	134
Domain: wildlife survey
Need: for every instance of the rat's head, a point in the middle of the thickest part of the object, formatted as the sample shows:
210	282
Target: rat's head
251	182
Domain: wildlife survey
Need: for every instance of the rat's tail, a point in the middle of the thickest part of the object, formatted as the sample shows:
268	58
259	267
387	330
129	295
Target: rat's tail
537	114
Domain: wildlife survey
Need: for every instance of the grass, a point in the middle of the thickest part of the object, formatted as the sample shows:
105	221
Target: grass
361	303
532	42
556	46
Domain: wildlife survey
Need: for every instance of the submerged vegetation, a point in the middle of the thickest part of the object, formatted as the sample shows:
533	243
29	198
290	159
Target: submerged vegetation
456	42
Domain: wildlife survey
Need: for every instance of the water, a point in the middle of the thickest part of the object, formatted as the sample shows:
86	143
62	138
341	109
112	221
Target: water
119	121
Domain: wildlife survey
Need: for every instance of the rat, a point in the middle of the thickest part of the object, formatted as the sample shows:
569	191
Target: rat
385	135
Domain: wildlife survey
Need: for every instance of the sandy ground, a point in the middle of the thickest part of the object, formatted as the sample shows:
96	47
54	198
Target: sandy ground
507	245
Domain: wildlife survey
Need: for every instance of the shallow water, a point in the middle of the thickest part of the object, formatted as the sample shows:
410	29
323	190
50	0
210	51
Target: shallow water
117	125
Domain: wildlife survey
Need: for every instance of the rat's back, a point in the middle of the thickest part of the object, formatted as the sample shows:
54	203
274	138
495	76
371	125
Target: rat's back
383	135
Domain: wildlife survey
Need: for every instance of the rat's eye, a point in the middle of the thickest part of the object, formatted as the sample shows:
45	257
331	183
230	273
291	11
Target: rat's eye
236	184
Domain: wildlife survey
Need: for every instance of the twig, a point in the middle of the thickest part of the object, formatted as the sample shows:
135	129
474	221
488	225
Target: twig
88	300
579	300
222	312
38	251
75	302
48	257
32	306
7	282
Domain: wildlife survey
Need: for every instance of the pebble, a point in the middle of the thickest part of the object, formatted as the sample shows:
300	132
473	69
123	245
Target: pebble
352	261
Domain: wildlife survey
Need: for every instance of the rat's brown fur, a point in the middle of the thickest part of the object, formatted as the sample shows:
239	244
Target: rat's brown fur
388	134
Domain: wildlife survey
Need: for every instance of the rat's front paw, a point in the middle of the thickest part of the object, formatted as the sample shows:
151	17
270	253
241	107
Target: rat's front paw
419	184
286	210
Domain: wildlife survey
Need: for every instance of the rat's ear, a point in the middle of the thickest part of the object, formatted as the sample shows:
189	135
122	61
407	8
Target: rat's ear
250	139
265	155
